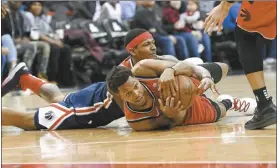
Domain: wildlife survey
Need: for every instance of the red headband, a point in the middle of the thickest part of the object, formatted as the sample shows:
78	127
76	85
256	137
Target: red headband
139	39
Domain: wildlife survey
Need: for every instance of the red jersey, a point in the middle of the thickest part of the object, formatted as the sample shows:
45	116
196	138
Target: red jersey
128	63
258	16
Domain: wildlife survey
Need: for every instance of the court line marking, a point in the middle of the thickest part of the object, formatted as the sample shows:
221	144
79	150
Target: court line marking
162	162
140	140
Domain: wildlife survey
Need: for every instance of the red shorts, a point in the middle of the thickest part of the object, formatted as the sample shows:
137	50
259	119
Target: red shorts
202	111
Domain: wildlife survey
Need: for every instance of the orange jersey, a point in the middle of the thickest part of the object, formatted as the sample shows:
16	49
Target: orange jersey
258	16
127	63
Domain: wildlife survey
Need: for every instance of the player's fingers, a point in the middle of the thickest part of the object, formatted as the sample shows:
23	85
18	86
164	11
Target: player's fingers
178	105
181	108
209	23
167	101
172	102
206	86
220	22
212	27
175	85
168	90
201	85
213	88
173	91
161	103
207	19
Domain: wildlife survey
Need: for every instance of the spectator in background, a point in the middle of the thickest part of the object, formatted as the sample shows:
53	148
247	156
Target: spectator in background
128	9
9	50
17	24
147	17
60	62
171	20
110	10
195	25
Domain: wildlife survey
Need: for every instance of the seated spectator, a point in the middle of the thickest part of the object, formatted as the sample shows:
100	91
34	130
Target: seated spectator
194	25
171	20
60	61
24	46
10	50
4	53
128	9
110	10
147	17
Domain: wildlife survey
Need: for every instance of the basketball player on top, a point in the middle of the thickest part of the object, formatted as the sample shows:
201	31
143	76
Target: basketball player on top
256	25
88	108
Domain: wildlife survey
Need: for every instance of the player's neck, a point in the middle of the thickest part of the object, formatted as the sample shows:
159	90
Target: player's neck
147	105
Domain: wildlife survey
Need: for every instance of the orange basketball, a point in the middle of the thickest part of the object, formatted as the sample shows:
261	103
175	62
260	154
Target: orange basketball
187	91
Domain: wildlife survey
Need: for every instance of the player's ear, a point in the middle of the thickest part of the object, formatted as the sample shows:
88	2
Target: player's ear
132	52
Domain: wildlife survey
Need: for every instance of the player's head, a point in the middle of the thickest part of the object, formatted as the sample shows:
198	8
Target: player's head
192	5
120	81
140	44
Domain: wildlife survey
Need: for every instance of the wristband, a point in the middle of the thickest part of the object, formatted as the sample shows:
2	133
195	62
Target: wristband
173	69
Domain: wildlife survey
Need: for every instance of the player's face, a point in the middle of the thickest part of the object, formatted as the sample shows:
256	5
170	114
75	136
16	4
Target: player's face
132	91
192	6
147	49
36	8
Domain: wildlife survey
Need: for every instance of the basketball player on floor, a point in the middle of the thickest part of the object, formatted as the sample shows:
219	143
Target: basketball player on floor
253	31
88	108
146	108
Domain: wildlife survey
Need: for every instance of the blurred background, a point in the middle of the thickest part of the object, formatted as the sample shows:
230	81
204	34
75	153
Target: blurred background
76	43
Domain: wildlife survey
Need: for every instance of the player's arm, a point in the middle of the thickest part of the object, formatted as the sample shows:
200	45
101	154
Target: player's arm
168	58
151	124
154	68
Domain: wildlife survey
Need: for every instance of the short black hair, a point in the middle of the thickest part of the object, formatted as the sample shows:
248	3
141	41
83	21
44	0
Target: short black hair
117	77
30	3
133	34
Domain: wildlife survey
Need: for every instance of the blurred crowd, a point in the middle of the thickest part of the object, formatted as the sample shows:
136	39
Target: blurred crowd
77	42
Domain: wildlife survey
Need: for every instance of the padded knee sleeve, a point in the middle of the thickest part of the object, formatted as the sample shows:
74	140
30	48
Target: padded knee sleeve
214	69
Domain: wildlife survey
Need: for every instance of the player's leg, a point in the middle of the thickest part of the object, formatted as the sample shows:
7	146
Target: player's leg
20	76
250	48
18	119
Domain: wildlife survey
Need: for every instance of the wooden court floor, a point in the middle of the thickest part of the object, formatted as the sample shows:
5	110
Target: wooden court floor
224	141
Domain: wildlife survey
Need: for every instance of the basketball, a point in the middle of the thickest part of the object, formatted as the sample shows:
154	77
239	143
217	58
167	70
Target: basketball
187	91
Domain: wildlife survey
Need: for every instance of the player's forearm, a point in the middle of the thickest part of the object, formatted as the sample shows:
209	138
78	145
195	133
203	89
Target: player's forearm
188	69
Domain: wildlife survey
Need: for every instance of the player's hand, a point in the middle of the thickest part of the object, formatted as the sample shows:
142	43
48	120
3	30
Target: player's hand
207	83
216	17
167	84
169	109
